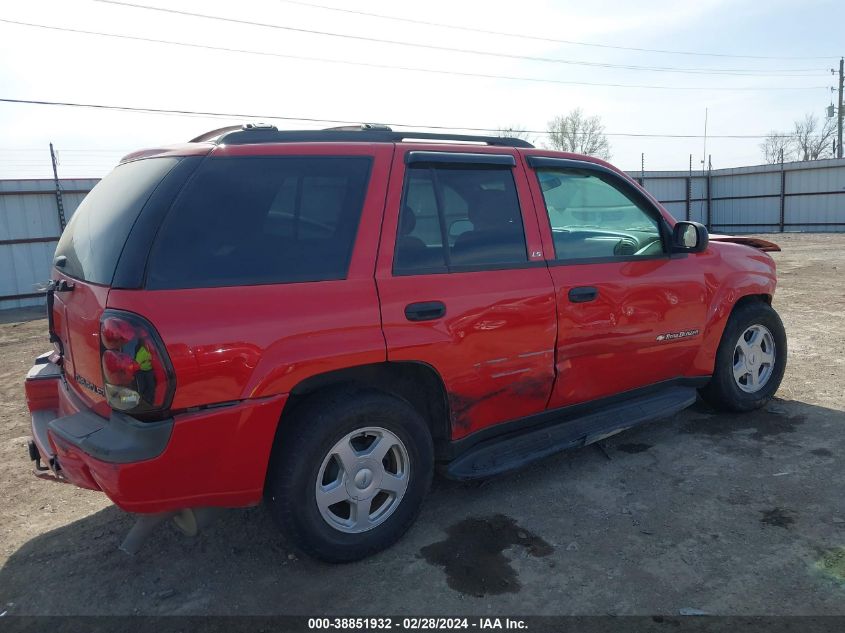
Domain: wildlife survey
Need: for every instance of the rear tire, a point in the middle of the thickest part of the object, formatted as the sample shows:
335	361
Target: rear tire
328	487
750	361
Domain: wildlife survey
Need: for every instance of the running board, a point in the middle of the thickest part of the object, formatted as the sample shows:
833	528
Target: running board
517	449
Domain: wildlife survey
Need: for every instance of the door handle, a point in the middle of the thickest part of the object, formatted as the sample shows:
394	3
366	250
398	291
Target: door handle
425	310
582	294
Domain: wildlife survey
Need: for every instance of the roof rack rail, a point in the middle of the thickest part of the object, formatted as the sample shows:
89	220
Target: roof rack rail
213	134
253	133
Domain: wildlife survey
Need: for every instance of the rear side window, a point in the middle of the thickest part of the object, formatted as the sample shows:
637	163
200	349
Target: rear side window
457	217
93	239
261	220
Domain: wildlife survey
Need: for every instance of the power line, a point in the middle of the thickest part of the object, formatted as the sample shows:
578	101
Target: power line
539	38
77	154
39	149
404	68
439	47
231	115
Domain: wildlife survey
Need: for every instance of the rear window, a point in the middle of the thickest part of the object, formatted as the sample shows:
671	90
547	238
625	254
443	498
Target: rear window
95	235
261	220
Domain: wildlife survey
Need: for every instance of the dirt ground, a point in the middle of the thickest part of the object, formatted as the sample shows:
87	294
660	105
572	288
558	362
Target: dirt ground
727	514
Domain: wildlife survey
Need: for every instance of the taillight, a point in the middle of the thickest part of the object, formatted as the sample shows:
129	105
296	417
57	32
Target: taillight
119	368
137	374
116	332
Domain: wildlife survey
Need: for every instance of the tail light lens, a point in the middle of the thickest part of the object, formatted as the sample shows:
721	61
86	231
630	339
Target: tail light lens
137	375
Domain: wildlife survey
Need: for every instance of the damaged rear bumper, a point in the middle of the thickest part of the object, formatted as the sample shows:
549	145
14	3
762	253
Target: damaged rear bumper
214	457
81	447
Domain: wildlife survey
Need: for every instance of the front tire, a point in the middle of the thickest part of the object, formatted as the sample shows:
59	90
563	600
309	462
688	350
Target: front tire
750	361
349	473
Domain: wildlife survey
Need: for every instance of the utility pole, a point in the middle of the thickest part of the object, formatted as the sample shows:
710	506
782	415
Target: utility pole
689	188
782	193
60	205
709	222
839	112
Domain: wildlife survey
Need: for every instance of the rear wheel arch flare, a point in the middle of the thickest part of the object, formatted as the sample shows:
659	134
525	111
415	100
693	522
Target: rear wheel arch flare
416	382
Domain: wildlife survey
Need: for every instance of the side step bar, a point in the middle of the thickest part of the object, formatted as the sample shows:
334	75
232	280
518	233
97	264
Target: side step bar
517	449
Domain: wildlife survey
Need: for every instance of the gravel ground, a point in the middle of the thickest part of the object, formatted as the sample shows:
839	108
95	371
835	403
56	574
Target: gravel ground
728	514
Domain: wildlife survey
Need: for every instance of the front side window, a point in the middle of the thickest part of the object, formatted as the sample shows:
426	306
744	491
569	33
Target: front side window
261	220
456	216
591	218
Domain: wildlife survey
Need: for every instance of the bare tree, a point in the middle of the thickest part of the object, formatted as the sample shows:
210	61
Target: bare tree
778	146
580	134
813	140
515	131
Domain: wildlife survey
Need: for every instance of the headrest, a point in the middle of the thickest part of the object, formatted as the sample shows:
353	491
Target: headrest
408	221
491	209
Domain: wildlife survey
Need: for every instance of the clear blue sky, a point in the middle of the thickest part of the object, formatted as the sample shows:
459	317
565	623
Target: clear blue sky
51	65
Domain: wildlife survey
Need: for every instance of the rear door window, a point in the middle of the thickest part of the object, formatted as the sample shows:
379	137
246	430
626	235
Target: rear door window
93	239
459	217
261	220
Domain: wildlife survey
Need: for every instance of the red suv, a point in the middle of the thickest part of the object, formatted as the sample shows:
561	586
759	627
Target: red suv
320	319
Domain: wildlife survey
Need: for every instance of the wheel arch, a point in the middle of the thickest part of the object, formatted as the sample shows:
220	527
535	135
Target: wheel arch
416	382
749	298
725	391
720	314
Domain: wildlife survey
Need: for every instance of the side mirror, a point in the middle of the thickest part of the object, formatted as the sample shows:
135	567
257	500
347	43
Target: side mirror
689	237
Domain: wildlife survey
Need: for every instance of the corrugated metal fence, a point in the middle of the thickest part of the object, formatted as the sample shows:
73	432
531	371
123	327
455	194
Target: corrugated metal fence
29	230
805	196
801	196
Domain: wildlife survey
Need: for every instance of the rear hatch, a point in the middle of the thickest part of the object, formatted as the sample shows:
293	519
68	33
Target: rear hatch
84	266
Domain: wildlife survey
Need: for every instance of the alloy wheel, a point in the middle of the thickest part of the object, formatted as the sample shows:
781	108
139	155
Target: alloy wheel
754	358
362	480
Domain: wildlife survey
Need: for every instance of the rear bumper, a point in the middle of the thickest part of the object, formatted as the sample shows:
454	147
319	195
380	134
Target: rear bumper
212	457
